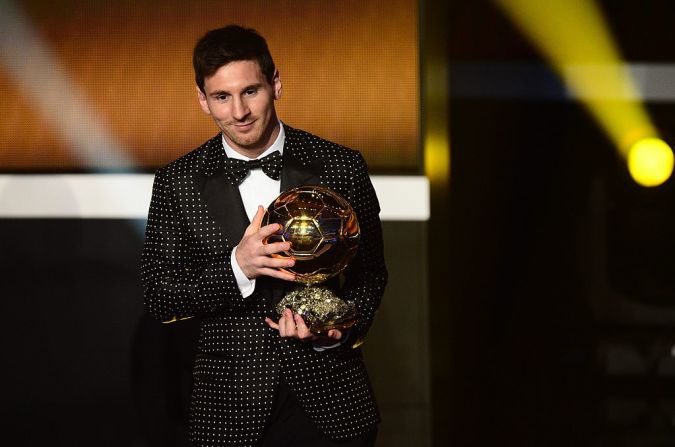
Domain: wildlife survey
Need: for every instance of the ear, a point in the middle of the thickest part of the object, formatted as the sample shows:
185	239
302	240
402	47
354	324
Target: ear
202	101
276	84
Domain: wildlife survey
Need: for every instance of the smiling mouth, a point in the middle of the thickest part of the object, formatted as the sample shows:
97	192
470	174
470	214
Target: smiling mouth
244	126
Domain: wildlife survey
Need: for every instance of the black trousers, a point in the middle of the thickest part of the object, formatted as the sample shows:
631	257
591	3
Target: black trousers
289	426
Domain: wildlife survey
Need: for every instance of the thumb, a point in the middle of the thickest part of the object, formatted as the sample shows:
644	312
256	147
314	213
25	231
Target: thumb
257	220
335	334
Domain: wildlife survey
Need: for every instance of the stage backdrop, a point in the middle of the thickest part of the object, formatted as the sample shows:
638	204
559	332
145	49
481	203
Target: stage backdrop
93	85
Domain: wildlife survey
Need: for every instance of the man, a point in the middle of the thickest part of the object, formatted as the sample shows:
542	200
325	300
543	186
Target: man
258	380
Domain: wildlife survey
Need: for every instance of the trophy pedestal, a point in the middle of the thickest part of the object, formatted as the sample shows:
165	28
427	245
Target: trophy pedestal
320	308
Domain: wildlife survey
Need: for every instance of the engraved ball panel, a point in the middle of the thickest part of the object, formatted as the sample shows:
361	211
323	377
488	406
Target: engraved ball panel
304	234
278	216
304	204
331	228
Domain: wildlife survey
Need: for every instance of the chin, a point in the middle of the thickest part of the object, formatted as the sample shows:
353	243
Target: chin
251	143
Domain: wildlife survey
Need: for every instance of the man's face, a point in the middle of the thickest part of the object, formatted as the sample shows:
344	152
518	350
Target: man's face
241	102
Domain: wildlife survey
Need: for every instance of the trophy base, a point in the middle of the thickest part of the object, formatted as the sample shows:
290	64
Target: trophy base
320	308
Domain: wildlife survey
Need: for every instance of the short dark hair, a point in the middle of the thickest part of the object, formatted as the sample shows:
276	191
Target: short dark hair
231	43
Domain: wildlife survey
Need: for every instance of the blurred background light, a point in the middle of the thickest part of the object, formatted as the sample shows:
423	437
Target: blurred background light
575	38
650	161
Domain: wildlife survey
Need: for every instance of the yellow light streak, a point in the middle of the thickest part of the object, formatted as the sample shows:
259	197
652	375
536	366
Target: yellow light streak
436	157
436	138
574	36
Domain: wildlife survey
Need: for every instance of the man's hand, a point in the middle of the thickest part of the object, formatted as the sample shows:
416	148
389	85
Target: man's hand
292	325
253	256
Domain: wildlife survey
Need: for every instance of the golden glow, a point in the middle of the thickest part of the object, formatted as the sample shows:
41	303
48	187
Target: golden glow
575	38
436	157
175	319
436	139
650	161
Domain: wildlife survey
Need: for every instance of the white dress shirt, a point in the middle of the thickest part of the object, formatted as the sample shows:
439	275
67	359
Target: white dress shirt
256	189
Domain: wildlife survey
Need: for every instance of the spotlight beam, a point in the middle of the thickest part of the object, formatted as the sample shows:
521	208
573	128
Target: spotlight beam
41	77
574	37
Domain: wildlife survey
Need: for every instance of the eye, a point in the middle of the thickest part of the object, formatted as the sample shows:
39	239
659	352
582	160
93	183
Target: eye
250	91
222	98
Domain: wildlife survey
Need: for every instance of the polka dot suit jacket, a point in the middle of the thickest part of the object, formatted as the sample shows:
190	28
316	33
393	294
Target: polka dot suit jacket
196	217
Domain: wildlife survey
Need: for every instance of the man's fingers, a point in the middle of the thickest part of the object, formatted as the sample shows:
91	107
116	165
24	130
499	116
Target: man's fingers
335	334
257	219
268	230
256	222
289	323
271	323
293	325
282	325
274	273
276	262
276	247
303	330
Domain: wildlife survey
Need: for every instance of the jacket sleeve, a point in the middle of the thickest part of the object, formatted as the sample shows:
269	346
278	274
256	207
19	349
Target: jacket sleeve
366	276
179	280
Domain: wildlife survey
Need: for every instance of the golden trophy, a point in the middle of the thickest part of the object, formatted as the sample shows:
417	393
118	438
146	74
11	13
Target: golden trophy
324	235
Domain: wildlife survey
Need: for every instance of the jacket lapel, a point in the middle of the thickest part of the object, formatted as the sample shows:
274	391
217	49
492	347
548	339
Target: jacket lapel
221	197
299	169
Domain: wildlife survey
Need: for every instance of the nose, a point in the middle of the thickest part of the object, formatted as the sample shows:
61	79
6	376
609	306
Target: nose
240	109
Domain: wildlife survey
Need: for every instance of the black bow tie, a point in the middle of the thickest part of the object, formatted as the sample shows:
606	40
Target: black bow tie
239	169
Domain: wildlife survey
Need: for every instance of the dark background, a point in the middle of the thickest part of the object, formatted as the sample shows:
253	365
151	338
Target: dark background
558	268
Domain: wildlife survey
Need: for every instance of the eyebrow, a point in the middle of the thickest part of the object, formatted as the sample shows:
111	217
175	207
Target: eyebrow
224	92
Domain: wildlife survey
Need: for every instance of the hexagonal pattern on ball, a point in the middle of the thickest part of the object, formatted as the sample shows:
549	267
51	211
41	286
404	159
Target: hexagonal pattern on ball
322	228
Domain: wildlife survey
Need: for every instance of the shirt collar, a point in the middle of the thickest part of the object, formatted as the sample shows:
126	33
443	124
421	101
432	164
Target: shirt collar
278	145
